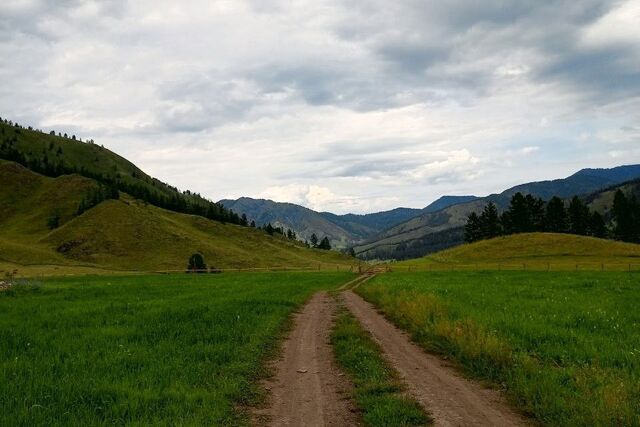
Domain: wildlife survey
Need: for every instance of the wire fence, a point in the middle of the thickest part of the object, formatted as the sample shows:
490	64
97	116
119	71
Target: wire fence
361	268
524	266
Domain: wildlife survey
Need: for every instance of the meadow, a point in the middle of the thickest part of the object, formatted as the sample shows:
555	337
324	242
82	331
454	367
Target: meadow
532	251
564	346
143	350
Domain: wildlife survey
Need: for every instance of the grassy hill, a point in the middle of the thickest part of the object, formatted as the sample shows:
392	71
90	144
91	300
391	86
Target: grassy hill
125	234
54	155
418	233
536	250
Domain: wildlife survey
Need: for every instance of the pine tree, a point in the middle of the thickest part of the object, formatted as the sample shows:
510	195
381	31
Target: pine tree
516	219
472	231
314	240
597	226
196	264
489	222
556	216
578	217
626	215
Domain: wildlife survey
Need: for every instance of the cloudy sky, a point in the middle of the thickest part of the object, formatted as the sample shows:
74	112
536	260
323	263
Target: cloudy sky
346	106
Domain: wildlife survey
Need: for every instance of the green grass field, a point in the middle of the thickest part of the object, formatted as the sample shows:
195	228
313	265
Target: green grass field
378	390
565	346
533	251
143	350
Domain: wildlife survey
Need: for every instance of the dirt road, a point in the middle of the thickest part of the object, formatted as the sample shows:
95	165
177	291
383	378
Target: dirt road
308	389
450	399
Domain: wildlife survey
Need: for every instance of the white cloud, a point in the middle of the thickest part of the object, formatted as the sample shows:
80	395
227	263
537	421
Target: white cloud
619	25
529	150
336	105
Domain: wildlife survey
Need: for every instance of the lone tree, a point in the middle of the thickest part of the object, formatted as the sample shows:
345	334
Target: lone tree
196	264
314	240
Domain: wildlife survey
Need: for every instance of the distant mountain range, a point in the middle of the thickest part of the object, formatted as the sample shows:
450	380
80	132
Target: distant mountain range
416	232
342	230
433	231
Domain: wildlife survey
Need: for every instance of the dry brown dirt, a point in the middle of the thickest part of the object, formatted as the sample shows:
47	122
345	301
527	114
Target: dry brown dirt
450	399
308	389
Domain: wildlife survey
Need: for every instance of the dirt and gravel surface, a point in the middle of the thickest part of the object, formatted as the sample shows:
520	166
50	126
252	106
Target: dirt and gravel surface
450	399
308	389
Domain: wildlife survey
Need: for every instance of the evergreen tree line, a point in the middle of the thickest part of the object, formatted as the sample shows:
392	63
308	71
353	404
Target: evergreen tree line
528	214
53	165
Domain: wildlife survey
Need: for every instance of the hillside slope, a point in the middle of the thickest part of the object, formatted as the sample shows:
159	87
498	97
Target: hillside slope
419	231
54	155
535	249
124	234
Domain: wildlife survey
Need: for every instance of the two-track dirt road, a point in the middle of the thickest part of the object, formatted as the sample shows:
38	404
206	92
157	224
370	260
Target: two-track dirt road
309	389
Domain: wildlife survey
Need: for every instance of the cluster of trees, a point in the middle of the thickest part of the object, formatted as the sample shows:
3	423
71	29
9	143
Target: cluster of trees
530	214
271	230
148	190
315	242
626	214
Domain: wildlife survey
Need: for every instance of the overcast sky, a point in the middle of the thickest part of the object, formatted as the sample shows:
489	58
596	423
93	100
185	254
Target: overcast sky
345	106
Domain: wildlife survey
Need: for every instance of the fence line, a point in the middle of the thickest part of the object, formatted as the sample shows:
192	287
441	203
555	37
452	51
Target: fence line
525	266
379	268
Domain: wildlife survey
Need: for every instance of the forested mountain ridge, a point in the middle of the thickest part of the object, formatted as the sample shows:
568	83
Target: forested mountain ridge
54	154
434	231
343	230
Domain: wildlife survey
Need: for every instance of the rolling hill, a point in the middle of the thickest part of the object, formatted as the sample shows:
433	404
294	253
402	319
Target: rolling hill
54	155
537	250
432	231
125	234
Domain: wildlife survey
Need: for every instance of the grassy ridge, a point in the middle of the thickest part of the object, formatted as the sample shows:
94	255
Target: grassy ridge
537	251
124	234
377	388
144	350
566	346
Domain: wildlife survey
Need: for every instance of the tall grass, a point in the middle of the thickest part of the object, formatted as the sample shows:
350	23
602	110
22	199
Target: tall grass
143	350
565	346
